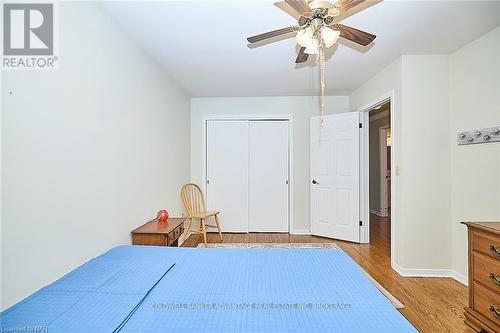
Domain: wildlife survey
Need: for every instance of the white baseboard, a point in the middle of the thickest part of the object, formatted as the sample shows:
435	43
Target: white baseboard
460	278
300	232
431	272
421	272
295	232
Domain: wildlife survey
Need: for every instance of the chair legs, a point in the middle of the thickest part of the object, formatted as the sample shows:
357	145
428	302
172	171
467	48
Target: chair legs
218	227
203	230
188	229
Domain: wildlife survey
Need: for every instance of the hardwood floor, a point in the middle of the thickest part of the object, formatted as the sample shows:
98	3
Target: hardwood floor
431	304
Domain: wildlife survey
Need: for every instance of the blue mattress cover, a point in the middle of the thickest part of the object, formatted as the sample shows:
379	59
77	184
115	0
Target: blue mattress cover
159	289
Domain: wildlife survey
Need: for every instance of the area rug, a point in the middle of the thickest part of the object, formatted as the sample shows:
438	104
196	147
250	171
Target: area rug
330	246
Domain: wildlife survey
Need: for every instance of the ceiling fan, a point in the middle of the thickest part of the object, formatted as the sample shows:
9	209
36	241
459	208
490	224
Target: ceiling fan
318	25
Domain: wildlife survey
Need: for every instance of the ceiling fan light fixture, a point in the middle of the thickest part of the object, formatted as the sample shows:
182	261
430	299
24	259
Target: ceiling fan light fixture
313	48
305	36
319	28
329	36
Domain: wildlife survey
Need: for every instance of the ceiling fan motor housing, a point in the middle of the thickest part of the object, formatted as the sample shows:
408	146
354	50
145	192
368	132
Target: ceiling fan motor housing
317	4
320	9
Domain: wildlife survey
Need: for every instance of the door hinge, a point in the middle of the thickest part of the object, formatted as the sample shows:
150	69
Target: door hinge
360	223
208	181
360	125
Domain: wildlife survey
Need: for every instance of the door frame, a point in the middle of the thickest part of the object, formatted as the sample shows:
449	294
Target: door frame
365	169
384	204
274	117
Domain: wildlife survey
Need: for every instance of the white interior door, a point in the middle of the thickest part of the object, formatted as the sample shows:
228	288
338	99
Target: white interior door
268	176
335	176
227	173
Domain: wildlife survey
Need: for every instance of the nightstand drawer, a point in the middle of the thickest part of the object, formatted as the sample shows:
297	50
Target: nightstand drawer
174	235
148	239
487	271
486	244
159	233
487	303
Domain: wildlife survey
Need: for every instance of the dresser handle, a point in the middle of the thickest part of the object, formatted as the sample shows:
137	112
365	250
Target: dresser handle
495	311
495	250
495	278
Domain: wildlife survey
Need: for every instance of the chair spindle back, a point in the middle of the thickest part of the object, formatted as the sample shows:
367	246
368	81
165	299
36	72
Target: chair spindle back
193	199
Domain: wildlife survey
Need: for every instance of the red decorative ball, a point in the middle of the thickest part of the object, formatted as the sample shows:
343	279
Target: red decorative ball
162	216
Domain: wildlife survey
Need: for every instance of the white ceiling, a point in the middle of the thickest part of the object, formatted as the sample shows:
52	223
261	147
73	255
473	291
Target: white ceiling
202	44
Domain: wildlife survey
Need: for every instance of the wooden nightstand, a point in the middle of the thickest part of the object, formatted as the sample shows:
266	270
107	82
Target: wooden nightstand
159	233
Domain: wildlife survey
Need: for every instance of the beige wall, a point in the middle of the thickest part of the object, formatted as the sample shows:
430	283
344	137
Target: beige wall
475	169
89	151
299	108
374	143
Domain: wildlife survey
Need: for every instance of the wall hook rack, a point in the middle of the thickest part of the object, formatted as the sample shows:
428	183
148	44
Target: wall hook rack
483	135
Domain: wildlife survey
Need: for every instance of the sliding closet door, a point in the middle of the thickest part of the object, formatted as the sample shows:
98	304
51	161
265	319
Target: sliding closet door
268	176
227	173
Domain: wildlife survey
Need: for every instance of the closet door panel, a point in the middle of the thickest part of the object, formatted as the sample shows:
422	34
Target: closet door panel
268	176
227	173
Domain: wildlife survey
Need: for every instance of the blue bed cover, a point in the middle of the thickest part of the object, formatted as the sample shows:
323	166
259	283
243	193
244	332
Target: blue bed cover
160	289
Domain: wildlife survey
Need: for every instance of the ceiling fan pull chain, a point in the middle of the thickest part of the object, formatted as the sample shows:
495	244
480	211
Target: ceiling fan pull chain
322	82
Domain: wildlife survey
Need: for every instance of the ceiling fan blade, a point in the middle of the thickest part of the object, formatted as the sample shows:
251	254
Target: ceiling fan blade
300	6
354	35
345	5
350	7
302	56
271	34
287	9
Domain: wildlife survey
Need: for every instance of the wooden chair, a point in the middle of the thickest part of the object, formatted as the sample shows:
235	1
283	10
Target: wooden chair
194	203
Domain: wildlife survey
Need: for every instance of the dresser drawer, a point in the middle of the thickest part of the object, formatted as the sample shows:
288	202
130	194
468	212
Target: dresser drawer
486	244
487	271
485	302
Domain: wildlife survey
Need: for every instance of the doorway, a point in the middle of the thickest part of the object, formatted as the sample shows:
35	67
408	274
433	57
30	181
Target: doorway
380	141
370	212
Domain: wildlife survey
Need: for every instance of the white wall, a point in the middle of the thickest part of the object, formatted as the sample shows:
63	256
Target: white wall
387	81
420	140
299	108
475	169
89	151
424	200
1	201
440	183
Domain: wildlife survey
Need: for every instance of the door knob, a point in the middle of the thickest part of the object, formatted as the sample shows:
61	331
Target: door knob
315	182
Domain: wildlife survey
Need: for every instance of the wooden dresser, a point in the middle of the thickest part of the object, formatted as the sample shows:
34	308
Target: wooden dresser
159	233
483	312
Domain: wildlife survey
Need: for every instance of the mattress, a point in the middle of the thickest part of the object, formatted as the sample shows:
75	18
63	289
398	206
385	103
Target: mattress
160	289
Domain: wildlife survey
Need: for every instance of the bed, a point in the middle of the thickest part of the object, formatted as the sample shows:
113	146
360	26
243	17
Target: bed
159	289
